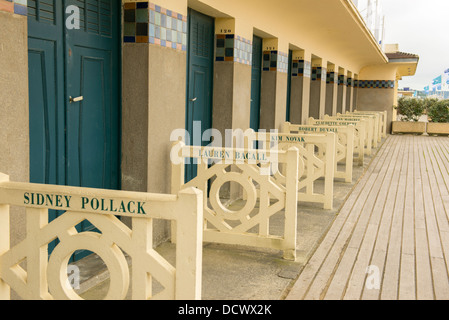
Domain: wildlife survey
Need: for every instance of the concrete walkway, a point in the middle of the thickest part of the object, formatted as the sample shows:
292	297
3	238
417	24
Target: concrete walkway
391	237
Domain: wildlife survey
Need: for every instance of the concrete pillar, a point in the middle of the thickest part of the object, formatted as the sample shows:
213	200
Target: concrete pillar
273	100
349	92
14	109
300	86
318	88
355	92
331	90
341	99
153	106
232	77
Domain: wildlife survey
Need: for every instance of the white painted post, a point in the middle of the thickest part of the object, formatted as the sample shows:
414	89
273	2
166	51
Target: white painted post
330	160
5	292
37	258
350	153
291	204
143	239
189	251
286	127
177	176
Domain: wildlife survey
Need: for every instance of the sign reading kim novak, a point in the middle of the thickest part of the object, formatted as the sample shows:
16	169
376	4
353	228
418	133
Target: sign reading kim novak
73	202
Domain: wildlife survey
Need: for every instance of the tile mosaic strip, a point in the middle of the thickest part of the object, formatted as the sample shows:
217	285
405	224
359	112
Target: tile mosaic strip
341	80
376	84
331	78
301	68
243	51
356	83
229	47
350	82
17	6
319	73
275	61
145	22
224	45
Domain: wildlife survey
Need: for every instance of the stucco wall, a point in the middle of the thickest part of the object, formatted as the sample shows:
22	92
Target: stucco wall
153	106
373	99
14	129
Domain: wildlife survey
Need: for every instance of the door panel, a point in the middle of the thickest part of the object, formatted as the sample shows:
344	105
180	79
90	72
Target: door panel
256	73
74	143
41	57
92	62
88	126
289	84
200	75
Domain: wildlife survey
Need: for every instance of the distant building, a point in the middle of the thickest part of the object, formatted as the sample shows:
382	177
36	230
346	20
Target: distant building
372	13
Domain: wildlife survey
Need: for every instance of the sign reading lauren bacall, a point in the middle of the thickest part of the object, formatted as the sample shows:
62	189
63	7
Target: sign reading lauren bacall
108	202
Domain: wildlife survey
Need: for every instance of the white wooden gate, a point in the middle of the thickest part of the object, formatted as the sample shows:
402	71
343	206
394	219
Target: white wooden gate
344	147
376	122
372	133
383	119
360	135
313	168
252	170
45	277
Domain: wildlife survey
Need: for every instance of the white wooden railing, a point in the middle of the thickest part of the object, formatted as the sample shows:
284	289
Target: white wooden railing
45	277
252	170
383	119
344	147
361	143
372	139
312	167
374	119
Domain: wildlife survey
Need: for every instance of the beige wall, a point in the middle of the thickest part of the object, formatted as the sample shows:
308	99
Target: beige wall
153	106
14	130
377	100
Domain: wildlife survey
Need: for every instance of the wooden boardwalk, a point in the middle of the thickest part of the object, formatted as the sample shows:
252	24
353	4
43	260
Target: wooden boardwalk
391	238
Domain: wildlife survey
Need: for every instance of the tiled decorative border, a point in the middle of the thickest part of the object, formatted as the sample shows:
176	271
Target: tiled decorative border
356	83
145	22
17	6
301	68
342	80
275	61
376	84
331	77
229	47
243	51
350	82
319	73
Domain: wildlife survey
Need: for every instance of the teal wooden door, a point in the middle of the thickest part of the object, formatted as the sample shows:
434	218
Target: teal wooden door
92	64
74	143
289	84
256	73
199	79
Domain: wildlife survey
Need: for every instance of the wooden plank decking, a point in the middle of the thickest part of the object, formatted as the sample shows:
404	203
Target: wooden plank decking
391	238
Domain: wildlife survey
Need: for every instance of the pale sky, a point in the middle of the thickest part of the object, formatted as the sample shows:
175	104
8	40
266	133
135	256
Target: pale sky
420	27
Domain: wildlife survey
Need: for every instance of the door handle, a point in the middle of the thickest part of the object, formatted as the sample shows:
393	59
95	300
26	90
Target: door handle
194	99
77	99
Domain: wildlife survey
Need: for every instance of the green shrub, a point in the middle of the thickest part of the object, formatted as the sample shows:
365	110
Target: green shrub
410	108
439	111
428	103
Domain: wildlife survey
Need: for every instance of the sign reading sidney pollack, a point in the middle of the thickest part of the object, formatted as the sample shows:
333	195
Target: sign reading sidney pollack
84	203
